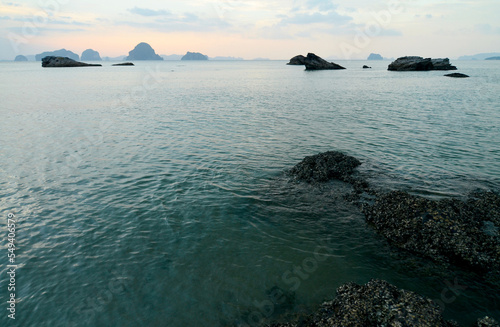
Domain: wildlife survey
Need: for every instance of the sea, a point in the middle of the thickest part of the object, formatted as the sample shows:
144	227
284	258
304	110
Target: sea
159	194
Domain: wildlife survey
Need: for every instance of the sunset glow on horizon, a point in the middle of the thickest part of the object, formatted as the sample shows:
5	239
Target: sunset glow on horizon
251	29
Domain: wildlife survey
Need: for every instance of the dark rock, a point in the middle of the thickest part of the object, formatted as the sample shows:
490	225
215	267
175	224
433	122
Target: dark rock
58	53
324	167
420	64
297	60
446	231
91	55
365	67
52	61
20	58
457	75
486	322
493	58
124	64
375	56
143	51
313	62
377	303
194	56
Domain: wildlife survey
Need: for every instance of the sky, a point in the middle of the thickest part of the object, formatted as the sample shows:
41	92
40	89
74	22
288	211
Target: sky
274	29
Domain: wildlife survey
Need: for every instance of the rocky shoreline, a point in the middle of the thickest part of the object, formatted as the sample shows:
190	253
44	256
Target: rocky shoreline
458	234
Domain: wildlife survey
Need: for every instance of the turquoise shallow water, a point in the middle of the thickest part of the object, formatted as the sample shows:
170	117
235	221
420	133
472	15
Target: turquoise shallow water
155	195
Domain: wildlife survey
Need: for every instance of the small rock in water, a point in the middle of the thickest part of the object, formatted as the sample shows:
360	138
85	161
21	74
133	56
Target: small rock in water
325	166
313	62
124	64
457	75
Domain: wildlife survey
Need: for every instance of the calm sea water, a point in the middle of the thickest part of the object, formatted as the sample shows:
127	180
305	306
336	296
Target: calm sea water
156	195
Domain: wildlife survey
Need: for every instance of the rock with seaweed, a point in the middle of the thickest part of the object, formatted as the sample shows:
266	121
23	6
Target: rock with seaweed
376	303
464	233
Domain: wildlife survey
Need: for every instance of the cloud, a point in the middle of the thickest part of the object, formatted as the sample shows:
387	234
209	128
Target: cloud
486	29
321	5
148	12
332	18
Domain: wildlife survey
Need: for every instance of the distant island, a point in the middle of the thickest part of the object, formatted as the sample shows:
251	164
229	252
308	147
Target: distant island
226	58
480	56
194	56
57	53
143	51
493	58
171	57
91	55
20	58
375	56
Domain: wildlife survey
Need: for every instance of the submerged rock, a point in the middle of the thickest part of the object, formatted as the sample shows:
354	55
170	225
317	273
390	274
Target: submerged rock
51	61
313	62
486	322
297	60
377	303
446	231
415	63
457	75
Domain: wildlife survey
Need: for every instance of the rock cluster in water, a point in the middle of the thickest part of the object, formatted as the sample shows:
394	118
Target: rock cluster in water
52	61
415	63
464	233
377	303
143	51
